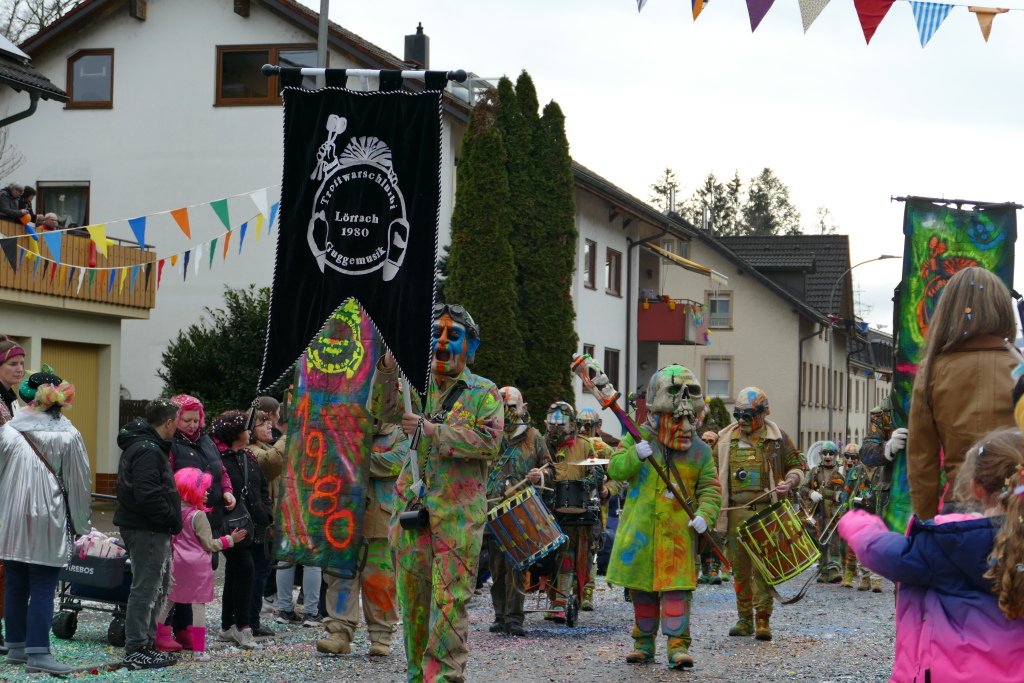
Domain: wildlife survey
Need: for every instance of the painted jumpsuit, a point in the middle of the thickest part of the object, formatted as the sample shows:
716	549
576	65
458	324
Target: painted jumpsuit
436	567
376	581
654	547
769	444
603	451
579	448
519	454
872	454
860	484
828	481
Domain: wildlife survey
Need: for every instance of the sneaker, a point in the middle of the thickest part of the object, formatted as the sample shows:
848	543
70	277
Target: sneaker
243	637
145	659
288	618
557	617
269	606
263	632
166	657
314	620
227	635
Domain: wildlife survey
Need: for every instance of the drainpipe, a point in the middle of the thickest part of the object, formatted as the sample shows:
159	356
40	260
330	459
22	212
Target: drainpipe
629	301
800	392
22	114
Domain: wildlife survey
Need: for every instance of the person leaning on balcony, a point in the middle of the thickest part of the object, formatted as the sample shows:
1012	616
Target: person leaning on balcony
10	203
50	222
26	199
963	388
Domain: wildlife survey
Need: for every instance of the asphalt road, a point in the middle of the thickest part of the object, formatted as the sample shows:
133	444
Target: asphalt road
833	634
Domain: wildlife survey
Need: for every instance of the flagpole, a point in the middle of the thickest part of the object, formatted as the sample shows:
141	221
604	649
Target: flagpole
458	75
321	41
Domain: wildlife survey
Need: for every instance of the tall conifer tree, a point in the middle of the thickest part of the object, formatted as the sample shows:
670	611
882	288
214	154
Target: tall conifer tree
481	268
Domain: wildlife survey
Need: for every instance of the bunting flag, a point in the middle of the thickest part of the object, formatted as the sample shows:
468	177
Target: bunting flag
273	214
181	218
259	198
120	284
871	13
985	16
81	278
241	236
213	250
174	260
98	234
259	226
220	207
227	241
698	7
199	253
184	266
10	249
138	226
135	274
110	281
640	4
809	11
757	9
31	231
160	272
92	276
929	17
53	243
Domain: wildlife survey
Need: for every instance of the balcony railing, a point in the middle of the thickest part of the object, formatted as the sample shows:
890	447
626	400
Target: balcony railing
670	322
75	253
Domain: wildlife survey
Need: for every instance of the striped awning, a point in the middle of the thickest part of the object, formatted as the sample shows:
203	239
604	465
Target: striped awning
690	265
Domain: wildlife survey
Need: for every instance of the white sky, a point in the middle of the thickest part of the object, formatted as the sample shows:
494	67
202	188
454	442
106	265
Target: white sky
842	123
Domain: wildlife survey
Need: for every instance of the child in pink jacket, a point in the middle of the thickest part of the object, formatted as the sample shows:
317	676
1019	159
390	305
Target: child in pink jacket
960	605
191	570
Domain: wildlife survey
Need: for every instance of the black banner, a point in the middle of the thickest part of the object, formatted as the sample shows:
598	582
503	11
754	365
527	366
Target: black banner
359	210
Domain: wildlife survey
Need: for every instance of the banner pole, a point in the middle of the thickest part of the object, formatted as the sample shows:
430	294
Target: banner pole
414	442
458	75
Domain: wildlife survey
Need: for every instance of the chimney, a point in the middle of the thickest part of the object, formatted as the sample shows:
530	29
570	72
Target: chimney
417	48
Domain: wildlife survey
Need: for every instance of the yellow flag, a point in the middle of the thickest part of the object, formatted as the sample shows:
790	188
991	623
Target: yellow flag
98	234
124	274
259	226
174	260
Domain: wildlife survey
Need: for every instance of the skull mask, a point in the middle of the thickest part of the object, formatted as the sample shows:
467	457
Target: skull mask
516	420
676	406
561	422
829	451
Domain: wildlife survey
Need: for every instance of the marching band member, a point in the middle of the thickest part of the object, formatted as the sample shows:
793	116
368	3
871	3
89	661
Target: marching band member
824	487
588	425
654	547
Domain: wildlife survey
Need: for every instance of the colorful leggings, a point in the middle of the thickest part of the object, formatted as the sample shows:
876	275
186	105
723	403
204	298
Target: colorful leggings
672	609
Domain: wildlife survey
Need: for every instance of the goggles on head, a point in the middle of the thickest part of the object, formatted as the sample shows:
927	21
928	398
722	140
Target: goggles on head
560	414
747	414
459	315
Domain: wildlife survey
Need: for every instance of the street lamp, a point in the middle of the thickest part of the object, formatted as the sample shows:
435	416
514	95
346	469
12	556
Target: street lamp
831	331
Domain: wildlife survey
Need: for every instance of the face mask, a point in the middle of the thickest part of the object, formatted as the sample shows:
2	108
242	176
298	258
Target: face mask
450	346
675	434
561	425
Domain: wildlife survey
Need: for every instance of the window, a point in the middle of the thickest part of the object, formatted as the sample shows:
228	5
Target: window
241	81
719	309
803	383
91	80
68	199
611	366
613	273
669	246
590	264
856	399
588	350
718	378
684	249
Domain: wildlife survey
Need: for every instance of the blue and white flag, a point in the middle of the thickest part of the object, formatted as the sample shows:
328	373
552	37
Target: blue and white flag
929	17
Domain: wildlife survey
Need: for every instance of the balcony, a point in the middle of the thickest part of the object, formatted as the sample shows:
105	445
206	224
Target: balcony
39	287
670	321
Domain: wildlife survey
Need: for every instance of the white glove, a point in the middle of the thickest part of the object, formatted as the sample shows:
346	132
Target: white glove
699	524
896	442
816	497
643	451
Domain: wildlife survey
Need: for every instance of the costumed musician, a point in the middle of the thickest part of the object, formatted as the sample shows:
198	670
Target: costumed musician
437	548
654	550
824	489
861	493
588	426
710	567
755	457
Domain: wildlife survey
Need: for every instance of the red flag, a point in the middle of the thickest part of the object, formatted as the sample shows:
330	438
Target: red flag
159	272
871	13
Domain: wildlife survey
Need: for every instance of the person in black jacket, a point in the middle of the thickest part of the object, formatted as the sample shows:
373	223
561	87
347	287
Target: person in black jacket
148	515
250	487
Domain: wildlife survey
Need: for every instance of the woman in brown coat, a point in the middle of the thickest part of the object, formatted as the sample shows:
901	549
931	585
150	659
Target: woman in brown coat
963	388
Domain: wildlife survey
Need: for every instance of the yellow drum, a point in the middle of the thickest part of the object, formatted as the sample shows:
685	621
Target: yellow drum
778	542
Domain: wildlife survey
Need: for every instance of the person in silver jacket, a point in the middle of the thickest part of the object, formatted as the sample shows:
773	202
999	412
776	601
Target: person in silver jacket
34	520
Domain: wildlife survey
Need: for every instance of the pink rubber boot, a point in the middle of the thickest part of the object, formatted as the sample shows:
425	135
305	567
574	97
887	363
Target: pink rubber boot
164	641
199	644
184	638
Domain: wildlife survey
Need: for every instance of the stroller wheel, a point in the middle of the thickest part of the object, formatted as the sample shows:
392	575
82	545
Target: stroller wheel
65	624
115	632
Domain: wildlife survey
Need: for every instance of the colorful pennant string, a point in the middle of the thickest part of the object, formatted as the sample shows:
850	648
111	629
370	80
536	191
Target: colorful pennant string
929	17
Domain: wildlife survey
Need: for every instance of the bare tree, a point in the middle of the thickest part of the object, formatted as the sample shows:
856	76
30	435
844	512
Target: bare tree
10	157
21	19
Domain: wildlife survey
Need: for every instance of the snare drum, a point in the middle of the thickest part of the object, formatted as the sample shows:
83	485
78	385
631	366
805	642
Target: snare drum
524	529
570	497
778	542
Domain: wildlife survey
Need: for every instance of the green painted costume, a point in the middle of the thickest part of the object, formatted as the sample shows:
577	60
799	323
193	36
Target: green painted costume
436	567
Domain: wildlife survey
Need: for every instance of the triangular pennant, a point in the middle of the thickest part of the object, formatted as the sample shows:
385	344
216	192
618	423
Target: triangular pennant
111	279
871	13
259	198
213	250
148	272
10	248
184	267
53	243
139	228
640	4
227	241
160	272
71	274
81	277
757	9
135	274
985	16
259	226
35	266
273	214
929	17
92	276
124	275
53	271
697	7
174	260
30	230
199	256
809	11
98	234
220	207
181	218
241	236
21	258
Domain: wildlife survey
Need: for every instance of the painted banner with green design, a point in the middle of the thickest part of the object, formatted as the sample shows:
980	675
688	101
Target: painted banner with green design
939	240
